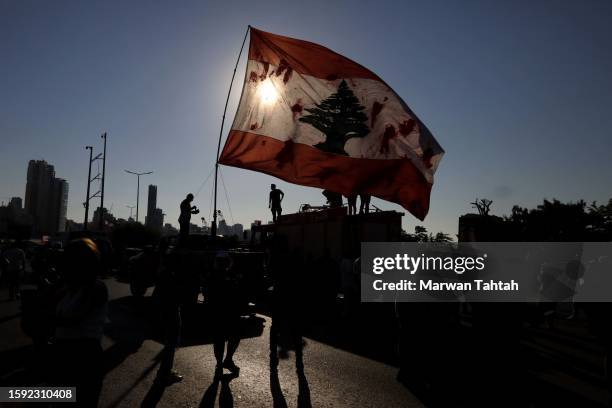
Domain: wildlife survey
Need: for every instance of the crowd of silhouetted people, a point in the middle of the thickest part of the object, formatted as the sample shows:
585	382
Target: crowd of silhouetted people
440	360
66	316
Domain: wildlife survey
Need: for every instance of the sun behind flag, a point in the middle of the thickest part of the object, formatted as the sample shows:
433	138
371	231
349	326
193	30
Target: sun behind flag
310	116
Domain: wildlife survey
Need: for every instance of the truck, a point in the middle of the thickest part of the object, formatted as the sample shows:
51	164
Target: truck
320	231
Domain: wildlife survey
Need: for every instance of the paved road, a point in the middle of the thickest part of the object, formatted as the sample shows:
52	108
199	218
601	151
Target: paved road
333	377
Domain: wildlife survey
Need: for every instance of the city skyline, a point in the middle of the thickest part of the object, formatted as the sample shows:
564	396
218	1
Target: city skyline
45	198
521	120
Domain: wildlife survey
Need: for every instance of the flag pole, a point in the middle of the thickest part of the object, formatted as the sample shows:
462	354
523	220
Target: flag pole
213	227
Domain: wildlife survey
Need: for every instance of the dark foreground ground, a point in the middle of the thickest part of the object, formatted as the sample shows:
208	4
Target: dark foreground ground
352	366
333	377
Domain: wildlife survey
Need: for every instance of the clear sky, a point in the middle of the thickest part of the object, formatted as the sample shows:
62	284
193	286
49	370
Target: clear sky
519	94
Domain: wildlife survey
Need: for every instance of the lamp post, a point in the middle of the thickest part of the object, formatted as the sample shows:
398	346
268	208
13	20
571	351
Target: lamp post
138	187
131	207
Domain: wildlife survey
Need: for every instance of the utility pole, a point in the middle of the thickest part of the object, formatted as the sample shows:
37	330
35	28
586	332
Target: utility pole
138	187
90	148
101	220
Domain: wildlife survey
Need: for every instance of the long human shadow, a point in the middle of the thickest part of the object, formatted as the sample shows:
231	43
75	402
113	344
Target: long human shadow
226	399
141	377
154	394
133	320
278	398
303	390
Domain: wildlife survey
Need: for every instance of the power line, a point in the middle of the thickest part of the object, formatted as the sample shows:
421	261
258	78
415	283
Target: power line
227	198
204	182
210	208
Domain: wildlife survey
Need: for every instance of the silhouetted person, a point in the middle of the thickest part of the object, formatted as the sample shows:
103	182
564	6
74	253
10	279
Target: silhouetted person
14	267
287	303
184	219
334	199
325	271
288	318
168	298
223	297
274	202
364	204
352	204
80	314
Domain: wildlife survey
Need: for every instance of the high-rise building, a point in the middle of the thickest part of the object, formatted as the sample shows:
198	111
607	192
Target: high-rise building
152	202
238	229
155	216
46	198
58	205
224	229
37	195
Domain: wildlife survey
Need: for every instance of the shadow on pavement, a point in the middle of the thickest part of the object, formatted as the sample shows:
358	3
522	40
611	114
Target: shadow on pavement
278	398
226	399
154	394
117	401
133	320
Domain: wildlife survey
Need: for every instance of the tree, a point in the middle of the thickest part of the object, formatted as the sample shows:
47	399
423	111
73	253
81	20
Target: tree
554	221
601	221
483	206
421	235
340	117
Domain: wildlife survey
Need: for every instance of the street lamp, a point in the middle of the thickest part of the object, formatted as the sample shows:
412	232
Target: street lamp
138	187
131	207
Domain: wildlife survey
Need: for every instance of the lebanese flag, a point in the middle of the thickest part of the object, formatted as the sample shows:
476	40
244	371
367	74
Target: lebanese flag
313	117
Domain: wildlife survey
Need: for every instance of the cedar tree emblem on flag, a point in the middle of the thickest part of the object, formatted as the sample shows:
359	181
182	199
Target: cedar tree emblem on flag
313	117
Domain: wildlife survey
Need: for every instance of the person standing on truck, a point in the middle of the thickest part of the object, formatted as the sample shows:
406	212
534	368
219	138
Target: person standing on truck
184	219
364	205
352	204
274	203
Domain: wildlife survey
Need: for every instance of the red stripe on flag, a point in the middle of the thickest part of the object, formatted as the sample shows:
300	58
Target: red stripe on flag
307	58
396	180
